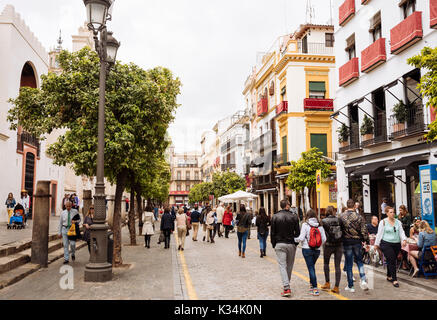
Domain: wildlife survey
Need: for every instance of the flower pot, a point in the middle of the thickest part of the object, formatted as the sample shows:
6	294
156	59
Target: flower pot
399	127
344	144
368	136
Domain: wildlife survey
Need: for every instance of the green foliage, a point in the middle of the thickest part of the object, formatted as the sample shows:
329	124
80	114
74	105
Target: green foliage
427	59
201	192
226	183
140	105
303	171
367	126
343	133
400	112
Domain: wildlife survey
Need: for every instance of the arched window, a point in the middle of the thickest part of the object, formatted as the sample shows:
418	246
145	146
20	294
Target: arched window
28	77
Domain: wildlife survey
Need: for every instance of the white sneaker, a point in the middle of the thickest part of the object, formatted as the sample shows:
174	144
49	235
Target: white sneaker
363	285
351	290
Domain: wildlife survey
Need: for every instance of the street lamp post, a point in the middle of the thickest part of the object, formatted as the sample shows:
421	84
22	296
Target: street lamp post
98	12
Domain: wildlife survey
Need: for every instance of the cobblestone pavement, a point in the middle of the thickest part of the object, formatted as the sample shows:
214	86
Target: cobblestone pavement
217	272
11	235
202	271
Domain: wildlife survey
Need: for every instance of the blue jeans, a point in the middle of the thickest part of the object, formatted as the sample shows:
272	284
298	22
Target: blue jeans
311	257
352	252
242	237
67	243
263	240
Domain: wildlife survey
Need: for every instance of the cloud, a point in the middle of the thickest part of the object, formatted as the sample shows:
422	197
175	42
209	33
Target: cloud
210	45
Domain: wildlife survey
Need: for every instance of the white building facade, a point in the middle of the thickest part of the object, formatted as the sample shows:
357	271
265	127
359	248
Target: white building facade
374	39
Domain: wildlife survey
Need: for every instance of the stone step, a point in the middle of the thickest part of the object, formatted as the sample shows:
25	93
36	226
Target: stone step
16	247
22	271
15	260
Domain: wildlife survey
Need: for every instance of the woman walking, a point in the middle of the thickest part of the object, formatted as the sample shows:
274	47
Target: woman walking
210	224
389	238
312	237
87	222
262	223
167	226
148	225
227	220
243	225
10	205
181	223
333	245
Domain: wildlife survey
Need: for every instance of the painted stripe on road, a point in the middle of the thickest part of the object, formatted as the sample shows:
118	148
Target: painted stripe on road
192	295
297	274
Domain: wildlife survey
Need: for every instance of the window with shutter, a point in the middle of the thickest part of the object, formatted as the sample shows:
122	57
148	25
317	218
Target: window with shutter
317	89
350	46
320	141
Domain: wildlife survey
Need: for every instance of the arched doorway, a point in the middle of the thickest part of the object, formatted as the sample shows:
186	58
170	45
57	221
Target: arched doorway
27	144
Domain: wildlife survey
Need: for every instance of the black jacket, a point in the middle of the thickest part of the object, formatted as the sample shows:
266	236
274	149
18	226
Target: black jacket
328	223
263	224
244	220
202	216
285	227
167	222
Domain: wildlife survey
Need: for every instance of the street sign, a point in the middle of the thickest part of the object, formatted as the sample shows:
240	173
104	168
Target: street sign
319	180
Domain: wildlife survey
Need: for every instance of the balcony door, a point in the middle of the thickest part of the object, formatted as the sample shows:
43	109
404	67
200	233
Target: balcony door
305	44
380	124
354	127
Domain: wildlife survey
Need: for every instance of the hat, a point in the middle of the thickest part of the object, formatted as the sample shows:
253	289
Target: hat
24	190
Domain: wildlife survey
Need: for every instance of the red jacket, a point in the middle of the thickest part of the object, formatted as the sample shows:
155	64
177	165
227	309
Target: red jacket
227	218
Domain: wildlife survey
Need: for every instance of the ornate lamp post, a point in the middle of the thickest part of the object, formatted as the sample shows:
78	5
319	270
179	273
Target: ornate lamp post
98	12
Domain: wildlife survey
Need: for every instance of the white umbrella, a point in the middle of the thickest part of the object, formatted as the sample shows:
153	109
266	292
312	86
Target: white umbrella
238	196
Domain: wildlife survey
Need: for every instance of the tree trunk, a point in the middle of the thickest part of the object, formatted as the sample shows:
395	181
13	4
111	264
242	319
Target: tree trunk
303	204
131	217
116	224
140	210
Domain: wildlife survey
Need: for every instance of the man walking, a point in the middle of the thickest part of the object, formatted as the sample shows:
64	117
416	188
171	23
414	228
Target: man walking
195	219
202	221
284	229
66	219
355	233
220	213
156	212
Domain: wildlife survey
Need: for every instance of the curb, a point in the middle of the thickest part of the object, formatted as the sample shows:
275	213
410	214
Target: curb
405	279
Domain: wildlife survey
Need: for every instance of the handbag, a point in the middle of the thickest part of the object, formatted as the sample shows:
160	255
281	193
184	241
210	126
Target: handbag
161	237
188	233
72	231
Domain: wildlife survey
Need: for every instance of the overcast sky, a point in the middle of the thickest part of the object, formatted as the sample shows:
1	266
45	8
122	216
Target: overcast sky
210	45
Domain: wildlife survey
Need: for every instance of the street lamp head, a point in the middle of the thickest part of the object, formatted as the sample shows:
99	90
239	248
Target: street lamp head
97	13
112	46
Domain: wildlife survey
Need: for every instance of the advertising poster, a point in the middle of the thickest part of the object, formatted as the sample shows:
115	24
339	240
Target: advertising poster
426	195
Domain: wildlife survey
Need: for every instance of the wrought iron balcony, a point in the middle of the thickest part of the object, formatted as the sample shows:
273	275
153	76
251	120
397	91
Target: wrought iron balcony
318	104
373	55
415	124
282	107
29	139
349	72
314	48
353	143
263	107
406	33
281	160
346	12
380	133
228	166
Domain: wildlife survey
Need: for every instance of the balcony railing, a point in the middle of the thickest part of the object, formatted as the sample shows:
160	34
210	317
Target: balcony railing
263	107
318	104
406	33
380	133
354	140
433	14
415	124
269	179
29	139
346	12
349	72
281	160
282	107
373	55
228	166
314	48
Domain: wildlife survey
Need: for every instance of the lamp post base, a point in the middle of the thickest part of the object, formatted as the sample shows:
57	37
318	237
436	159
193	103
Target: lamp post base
98	272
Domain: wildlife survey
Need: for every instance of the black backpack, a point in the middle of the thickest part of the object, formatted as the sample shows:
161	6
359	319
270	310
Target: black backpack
334	231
